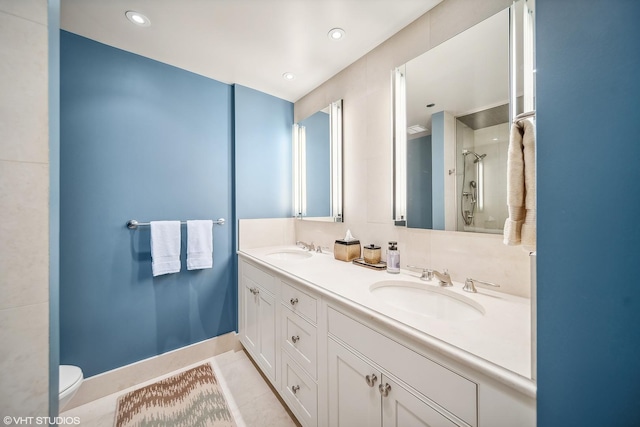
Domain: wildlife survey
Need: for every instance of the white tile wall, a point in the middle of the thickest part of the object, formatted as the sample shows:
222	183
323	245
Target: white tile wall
24	209
24	195
32	10
24	123
255	233
24	360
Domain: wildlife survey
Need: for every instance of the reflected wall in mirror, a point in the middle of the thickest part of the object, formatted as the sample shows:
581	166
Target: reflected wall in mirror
317	165
453	106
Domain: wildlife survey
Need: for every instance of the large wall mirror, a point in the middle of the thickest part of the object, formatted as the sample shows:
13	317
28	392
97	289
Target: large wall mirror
317	165
453	109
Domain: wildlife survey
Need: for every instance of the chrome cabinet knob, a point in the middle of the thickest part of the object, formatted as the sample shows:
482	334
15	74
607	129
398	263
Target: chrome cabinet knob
384	389
293	301
295	388
254	291
371	380
427	274
295	338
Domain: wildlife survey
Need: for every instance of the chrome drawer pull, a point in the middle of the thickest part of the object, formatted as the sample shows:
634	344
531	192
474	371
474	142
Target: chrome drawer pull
293	301
384	389
371	380
295	338
295	388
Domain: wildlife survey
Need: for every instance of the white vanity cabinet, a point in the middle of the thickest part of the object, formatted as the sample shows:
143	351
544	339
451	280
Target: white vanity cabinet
336	363
360	394
278	328
411	389
299	352
416	386
257	314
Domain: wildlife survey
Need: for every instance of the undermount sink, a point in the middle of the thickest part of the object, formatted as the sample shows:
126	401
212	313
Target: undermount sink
427	300
289	255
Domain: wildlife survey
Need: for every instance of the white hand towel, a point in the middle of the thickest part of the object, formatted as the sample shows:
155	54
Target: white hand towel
199	244
165	247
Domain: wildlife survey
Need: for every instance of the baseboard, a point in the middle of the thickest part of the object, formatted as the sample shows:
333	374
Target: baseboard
110	382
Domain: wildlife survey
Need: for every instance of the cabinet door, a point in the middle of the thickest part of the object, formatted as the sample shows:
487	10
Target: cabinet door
354	398
267	329
401	408
249	332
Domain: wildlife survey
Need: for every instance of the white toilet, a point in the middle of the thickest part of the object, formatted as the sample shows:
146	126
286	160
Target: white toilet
70	380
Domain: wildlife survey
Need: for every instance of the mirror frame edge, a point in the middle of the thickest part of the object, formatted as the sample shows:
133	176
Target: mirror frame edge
399	139
335	163
398	93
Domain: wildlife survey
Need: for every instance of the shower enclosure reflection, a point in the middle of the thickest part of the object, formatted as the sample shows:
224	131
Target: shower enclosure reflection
451	129
482	142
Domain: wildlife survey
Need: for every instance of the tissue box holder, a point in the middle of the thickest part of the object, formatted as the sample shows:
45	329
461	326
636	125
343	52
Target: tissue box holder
346	250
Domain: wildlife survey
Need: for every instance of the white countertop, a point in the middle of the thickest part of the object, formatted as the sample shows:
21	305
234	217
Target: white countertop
497	343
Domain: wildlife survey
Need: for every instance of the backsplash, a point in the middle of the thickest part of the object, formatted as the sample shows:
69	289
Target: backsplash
480	256
256	233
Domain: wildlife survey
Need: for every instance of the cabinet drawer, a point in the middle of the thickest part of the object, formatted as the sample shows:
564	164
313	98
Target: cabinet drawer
300	392
299	338
299	301
448	389
258	276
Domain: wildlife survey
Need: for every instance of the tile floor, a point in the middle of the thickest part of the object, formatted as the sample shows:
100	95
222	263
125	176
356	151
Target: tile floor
251	401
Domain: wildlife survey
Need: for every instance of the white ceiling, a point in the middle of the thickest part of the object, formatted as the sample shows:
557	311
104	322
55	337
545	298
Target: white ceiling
248	42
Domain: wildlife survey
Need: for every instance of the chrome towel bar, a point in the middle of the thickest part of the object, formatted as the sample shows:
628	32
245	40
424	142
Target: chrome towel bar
133	224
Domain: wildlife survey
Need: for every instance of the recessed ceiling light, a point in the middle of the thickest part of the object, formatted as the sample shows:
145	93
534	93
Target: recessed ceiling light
336	34
288	76
137	18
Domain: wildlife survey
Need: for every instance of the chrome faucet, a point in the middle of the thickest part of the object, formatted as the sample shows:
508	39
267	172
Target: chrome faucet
444	278
428	274
306	246
469	285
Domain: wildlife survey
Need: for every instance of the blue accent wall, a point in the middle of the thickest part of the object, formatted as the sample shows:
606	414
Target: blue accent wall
437	152
318	143
139	140
588	160
53	34
263	163
419	183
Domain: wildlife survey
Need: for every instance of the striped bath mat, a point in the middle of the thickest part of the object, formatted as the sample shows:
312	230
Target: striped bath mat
188	399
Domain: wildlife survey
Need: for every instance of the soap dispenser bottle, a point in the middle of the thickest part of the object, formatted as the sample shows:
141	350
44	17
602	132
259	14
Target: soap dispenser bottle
393	258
